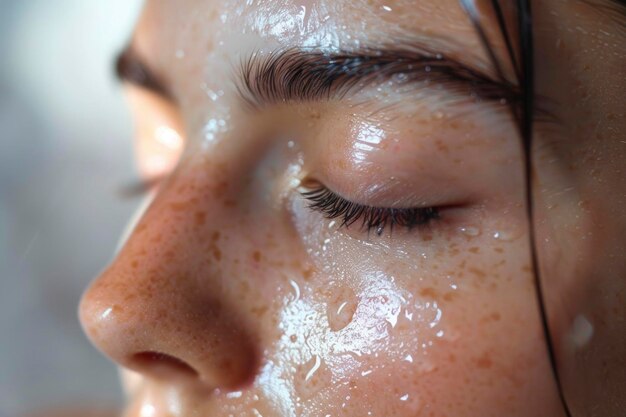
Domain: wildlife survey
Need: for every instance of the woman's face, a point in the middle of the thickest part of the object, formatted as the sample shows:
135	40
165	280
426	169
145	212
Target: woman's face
339	228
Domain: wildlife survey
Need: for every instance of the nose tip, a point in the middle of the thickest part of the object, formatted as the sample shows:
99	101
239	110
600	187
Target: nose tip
177	343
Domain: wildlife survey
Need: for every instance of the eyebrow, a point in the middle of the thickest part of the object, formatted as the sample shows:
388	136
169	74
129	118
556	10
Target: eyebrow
130	68
299	75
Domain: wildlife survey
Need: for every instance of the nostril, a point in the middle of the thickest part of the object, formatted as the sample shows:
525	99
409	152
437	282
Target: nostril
161	365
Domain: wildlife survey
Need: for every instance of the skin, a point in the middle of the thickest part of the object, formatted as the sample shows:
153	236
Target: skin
231	297
580	195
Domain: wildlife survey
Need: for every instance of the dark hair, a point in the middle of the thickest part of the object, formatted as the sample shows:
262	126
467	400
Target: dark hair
521	57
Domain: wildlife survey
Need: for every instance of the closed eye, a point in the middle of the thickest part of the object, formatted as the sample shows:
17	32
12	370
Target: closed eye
369	218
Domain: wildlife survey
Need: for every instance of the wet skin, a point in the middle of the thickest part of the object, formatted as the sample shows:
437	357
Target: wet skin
232	296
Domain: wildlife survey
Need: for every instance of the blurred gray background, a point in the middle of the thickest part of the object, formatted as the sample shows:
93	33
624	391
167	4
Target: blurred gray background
65	149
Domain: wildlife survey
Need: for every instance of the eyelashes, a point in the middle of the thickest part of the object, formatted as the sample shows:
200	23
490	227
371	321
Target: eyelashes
376	219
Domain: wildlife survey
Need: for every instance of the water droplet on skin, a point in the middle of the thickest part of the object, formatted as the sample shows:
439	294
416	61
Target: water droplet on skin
426	365
314	368
410	403
470	231
408	315
507	235
392	317
497	235
212	94
438	314
408	358
311	377
581	332
106	313
341	312
386	8
296	289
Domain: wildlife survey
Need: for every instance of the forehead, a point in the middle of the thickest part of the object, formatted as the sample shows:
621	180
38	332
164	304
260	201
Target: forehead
196	46
234	26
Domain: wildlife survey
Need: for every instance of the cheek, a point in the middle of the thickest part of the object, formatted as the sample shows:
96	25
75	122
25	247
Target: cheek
384	329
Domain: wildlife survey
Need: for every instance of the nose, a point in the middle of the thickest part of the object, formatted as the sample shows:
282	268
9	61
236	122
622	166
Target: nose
161	311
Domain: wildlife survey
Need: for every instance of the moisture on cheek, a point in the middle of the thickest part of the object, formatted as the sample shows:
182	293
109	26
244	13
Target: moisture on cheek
414	327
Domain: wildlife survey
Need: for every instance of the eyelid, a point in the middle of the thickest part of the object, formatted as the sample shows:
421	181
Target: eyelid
378	219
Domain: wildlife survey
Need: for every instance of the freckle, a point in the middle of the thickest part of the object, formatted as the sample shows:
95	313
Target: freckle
474	249
169	255
478	272
256	255
293	338
230	203
498	250
526	268
134	264
448	296
452	358
490	318
428	292
442	147
157	238
307	273
140	228
259	311
177	207
200	218
217	253
484	362
220	188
